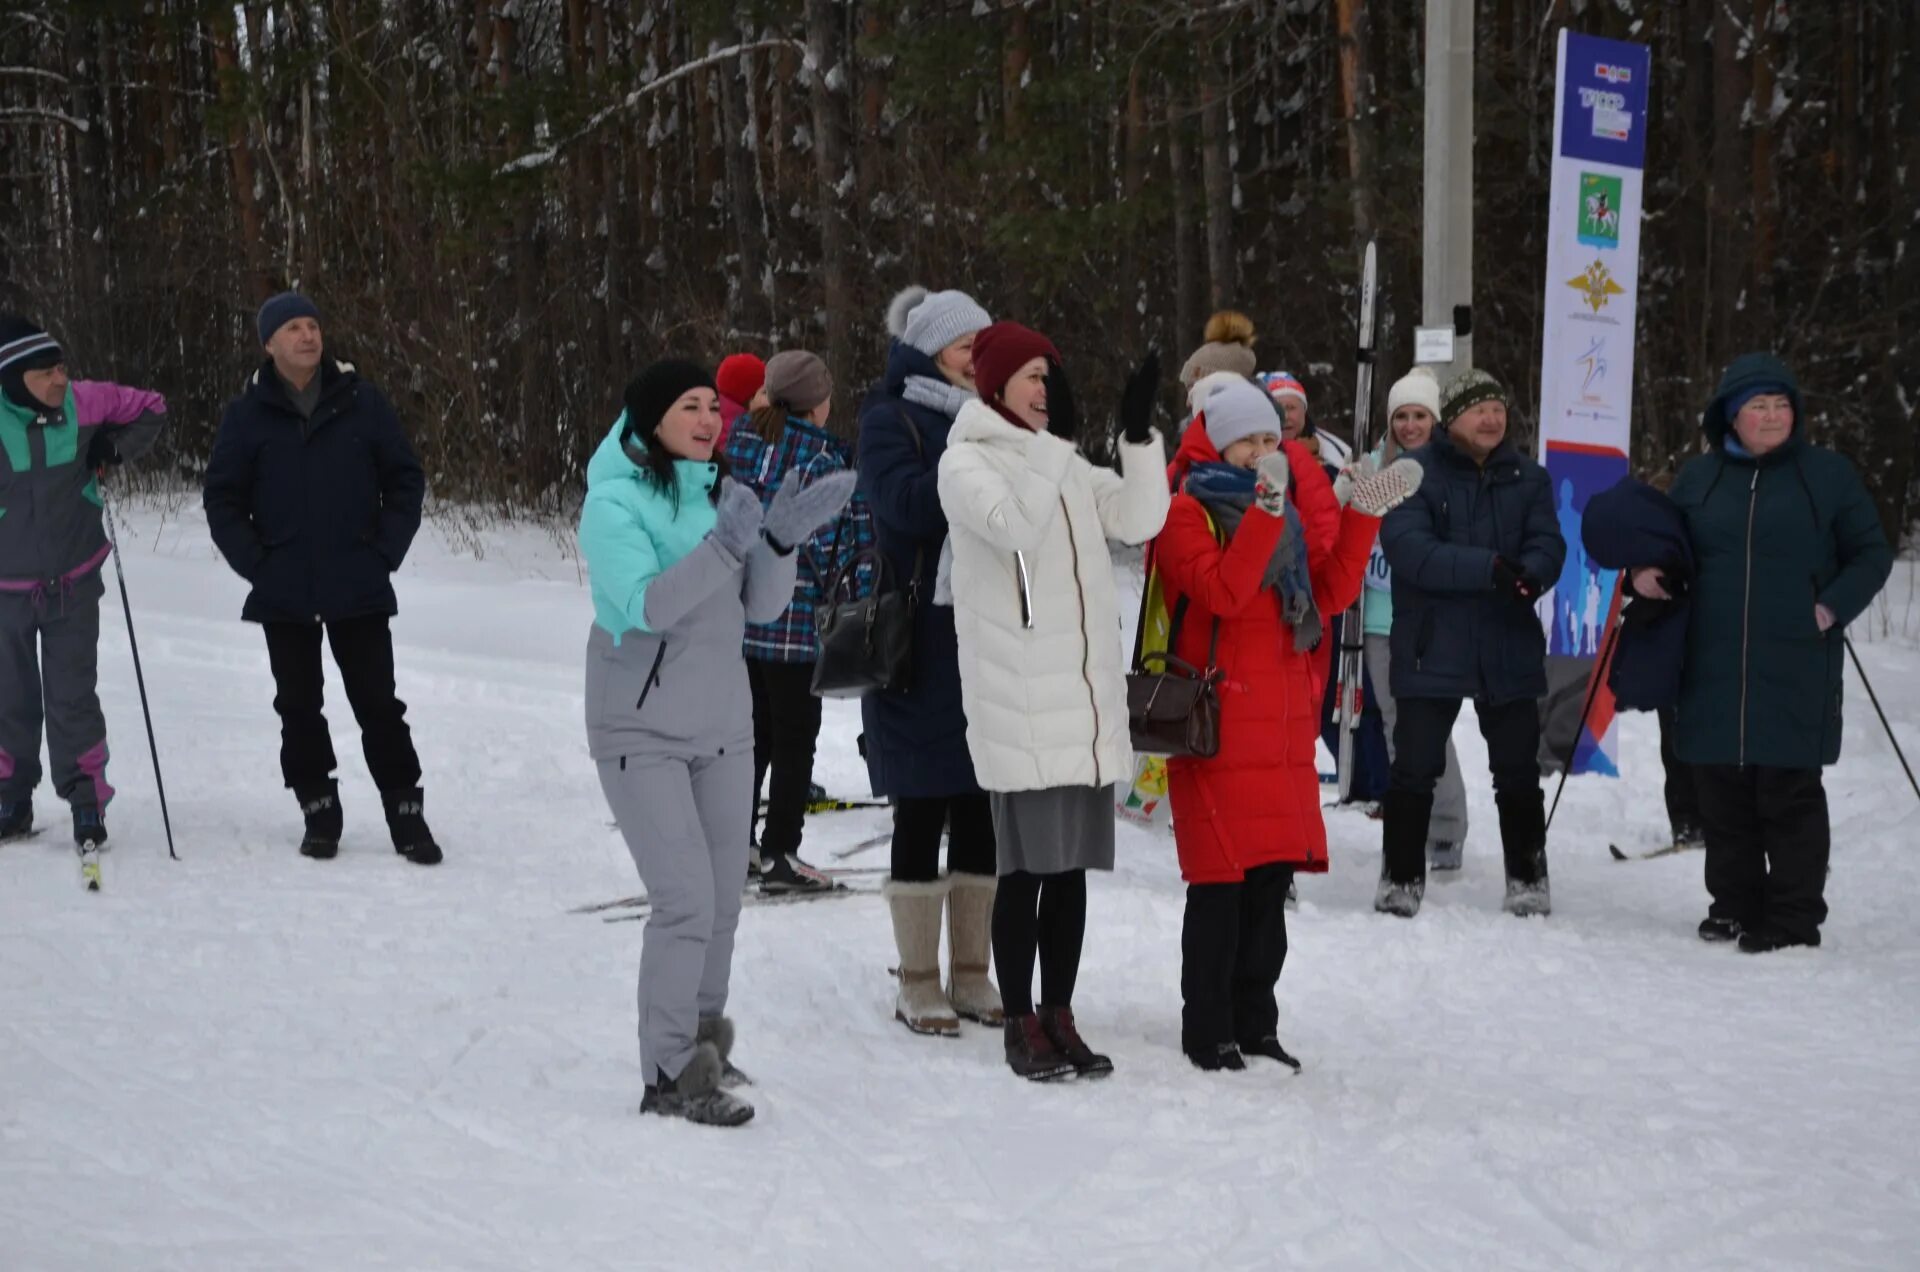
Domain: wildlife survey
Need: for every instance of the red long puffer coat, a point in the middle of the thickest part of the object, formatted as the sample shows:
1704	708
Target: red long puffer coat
1258	800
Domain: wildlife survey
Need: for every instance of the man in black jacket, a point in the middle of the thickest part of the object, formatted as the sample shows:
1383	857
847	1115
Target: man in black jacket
313	496
1471	552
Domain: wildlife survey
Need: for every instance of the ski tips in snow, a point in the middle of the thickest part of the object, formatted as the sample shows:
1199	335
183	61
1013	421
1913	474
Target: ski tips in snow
90	867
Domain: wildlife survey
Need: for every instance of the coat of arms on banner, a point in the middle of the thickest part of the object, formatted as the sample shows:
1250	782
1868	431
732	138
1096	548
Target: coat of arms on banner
1596	282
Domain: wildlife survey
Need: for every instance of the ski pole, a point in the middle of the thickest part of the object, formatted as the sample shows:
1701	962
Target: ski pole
1599	674
139	677
1875	700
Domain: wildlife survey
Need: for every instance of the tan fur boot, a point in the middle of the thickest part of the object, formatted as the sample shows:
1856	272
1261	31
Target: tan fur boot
969	942
921	1006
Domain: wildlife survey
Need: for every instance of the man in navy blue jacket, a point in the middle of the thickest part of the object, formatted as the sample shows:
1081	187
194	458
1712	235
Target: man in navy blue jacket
313	496
1472	551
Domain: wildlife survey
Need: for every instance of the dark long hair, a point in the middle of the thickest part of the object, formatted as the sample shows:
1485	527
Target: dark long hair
656	462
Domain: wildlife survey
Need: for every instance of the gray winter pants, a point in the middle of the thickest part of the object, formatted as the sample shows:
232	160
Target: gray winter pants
686	823
1449	821
49	662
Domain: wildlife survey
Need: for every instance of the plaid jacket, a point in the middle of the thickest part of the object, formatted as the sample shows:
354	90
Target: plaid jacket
807	453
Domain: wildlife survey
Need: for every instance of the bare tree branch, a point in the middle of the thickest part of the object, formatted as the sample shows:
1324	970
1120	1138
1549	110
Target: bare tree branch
541	158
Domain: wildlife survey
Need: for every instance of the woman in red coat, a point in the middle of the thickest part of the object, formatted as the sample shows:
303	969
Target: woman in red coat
1258	541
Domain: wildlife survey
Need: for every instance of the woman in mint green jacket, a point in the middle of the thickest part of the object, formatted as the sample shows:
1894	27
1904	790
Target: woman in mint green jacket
1413	408
681	558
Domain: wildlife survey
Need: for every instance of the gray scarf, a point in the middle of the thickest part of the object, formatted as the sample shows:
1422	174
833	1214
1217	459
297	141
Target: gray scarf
923	390
1286	571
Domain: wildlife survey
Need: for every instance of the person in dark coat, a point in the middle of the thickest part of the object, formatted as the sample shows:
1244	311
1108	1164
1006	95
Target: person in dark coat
313	496
1471	553
916	738
1789	550
1623	526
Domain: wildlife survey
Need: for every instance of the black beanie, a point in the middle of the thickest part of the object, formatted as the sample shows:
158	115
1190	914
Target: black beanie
651	392
25	347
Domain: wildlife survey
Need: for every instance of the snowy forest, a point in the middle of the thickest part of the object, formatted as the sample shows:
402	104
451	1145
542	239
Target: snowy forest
506	207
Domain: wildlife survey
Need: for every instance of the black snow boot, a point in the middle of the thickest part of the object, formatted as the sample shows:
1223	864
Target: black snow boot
1523	842
1767	940
1403	855
320	805
1270	1047
1719	931
696	1095
89	827
1057	1024
16	819
1030	1053
407	823
1218	1057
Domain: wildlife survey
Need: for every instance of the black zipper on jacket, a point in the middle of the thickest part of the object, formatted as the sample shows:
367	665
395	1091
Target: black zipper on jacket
653	675
1086	640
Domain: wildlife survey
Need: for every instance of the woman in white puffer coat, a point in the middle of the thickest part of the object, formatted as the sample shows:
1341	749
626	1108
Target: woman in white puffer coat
1042	671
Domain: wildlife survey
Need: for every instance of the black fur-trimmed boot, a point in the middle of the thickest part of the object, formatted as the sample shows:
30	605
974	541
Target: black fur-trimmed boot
718	1030
320	805
407	823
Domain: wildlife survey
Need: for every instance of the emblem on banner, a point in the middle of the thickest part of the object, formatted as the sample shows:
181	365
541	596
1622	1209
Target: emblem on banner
1592	365
1599	211
1597	285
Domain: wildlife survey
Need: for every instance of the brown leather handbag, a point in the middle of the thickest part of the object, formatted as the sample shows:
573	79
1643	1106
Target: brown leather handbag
1173	707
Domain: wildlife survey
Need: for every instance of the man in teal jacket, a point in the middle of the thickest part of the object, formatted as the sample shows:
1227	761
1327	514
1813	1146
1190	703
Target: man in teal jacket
1789	550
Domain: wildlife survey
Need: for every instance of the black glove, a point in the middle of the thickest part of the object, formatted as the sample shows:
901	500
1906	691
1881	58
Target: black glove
1515	581
1063	417
1136	401
101	451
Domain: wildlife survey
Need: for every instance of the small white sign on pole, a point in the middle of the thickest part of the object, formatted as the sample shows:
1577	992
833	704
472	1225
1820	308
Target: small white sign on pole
1432	344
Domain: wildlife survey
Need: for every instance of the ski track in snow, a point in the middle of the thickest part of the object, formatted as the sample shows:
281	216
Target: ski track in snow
250	1060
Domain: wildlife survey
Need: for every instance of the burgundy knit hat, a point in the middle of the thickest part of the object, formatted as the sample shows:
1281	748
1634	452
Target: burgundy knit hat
1002	349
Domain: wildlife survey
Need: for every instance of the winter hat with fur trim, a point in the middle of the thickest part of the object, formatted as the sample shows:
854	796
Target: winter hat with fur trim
1228	347
1234	410
930	321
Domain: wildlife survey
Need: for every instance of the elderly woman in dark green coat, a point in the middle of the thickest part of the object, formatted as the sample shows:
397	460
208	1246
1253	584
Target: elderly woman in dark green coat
1789	550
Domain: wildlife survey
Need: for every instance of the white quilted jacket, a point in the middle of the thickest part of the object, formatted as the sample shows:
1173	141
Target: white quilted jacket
1042	663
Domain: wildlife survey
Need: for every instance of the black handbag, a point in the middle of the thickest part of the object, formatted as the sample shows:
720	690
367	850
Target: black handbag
1175	710
865	643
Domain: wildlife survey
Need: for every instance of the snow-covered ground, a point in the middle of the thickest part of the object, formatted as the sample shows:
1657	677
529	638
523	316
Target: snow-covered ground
249	1060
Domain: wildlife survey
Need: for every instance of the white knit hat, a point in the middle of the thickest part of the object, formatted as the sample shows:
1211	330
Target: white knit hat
1235	410
930	321
1417	387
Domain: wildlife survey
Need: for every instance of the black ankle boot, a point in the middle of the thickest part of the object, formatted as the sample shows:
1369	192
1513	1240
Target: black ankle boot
407	823
320	805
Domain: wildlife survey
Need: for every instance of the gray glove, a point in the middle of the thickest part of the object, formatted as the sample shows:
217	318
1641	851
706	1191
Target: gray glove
1270	484
796	513
738	521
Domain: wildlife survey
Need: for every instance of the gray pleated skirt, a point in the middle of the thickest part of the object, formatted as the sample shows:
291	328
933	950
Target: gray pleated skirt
1061	828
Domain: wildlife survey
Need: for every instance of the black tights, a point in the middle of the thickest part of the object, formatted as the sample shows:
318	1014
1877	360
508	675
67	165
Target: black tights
1044	915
